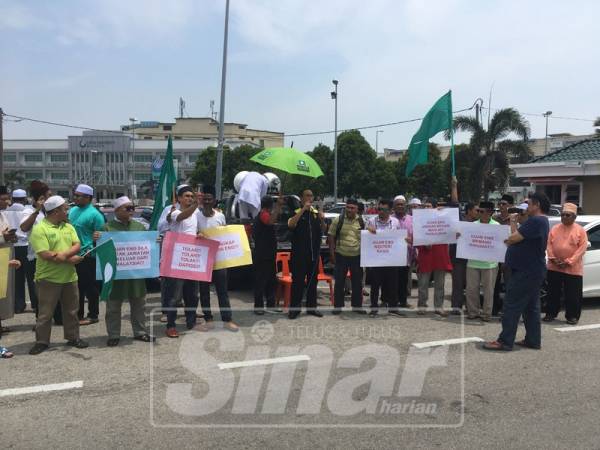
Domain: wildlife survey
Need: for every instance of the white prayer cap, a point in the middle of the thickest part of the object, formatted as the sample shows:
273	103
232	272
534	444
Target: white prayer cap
399	197
53	202
84	189
118	202
523	206
19	193
414	201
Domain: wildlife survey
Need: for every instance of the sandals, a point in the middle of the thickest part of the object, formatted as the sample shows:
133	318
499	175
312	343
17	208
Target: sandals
5	353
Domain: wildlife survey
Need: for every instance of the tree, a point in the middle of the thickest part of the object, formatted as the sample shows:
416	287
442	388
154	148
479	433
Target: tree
468	185
427	180
14	178
597	124
356	160
491	151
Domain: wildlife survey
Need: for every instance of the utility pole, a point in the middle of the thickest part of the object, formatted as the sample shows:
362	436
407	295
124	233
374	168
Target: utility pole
334	96
1	148
219	174
181	107
546	115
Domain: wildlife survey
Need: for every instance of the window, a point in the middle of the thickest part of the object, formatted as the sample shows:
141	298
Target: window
167	127
59	157
192	157
33	157
141	176
143	158
594	238
59	176
10	157
33	176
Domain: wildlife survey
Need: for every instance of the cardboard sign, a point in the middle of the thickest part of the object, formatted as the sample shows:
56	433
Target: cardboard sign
137	254
234	248
186	257
435	226
7	282
482	242
383	249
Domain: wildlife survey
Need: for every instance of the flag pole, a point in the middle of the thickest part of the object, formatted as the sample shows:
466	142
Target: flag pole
452	138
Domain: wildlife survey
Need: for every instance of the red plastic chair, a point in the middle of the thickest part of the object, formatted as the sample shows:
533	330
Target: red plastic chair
326	278
284	279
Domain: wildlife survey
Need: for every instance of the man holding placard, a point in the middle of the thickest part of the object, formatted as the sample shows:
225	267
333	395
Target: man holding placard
133	290
181	218
384	278
208	217
481	273
16	212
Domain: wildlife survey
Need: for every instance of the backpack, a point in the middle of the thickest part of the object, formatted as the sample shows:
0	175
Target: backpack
340	224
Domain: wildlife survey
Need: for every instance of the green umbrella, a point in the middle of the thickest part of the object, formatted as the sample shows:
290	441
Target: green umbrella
288	160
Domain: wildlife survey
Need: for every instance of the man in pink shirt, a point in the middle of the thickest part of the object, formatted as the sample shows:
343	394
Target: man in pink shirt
567	243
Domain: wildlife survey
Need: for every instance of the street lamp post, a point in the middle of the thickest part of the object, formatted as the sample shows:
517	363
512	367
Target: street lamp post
546	115
334	96
377	141
133	120
219	174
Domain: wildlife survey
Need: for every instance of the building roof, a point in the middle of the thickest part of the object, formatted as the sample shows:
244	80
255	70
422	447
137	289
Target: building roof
586	150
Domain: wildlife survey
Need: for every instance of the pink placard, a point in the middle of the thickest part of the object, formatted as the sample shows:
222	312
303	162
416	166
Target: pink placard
186	257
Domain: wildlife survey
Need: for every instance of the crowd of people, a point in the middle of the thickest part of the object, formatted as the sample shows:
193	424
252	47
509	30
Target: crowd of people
54	260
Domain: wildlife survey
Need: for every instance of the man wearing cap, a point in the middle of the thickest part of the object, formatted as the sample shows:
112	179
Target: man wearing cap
404	223
481	273
181	218
87	220
503	218
209	217
133	291
567	243
15	213
56	245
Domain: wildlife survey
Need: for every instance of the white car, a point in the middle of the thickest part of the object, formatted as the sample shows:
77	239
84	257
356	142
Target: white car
591	259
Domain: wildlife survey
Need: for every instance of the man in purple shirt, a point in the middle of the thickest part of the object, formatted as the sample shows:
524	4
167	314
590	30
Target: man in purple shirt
403	273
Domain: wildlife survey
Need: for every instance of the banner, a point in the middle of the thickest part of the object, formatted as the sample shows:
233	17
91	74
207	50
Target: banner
482	242
435	226
234	249
137	254
186	257
383	249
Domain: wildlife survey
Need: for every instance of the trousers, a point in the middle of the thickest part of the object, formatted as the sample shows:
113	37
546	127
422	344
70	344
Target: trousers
49	294
571	286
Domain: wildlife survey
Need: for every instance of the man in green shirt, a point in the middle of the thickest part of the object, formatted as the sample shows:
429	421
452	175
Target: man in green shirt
344	252
56	245
132	290
481	273
87	220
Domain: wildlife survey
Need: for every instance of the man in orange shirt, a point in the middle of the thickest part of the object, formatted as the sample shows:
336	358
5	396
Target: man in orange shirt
567	243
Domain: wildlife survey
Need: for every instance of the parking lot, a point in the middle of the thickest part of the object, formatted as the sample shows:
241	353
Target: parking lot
339	381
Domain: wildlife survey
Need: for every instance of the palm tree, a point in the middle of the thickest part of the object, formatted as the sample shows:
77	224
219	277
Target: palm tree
492	151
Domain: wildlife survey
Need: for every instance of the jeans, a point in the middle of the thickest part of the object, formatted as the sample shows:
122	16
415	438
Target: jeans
522	298
88	287
572	287
342	265
219	278
173	290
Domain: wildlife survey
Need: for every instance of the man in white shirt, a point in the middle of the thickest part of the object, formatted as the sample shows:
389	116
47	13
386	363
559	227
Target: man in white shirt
15	213
208	217
253	188
181	218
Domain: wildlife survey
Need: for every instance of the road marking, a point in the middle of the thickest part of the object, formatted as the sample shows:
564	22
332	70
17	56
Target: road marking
578	328
446	342
264	362
41	388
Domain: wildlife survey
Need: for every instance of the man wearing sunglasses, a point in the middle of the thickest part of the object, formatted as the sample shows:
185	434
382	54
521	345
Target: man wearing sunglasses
567	243
87	221
503	218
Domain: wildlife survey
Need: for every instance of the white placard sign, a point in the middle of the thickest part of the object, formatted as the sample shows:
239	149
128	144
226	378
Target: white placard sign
133	255
188	257
435	226
482	242
383	249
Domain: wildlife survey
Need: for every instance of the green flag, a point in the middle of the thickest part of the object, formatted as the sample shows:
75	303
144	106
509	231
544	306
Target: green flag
107	258
166	186
437	119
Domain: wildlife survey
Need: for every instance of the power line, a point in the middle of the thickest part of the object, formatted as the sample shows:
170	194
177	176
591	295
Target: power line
542	115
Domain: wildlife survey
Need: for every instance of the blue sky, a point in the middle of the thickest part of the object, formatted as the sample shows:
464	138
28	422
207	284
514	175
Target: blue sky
98	62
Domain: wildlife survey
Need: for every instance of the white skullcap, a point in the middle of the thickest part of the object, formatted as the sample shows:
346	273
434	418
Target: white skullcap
118	202
399	197
181	186
19	193
414	201
523	206
84	189
53	202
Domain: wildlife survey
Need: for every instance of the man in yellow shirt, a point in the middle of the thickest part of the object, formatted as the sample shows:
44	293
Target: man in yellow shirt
56	245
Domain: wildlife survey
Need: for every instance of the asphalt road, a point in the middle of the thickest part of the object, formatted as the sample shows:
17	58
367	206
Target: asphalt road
345	381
